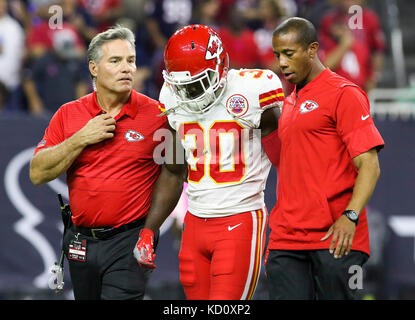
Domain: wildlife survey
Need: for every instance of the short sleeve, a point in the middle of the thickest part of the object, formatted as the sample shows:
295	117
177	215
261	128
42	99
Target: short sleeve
354	122
271	93
54	133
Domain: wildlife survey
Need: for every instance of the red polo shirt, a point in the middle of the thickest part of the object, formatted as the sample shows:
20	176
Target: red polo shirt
110	183
322	127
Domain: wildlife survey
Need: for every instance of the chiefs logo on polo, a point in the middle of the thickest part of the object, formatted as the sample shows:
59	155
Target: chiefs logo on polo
133	136
237	105
308	106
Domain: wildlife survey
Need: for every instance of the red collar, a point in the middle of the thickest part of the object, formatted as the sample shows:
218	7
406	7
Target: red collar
315	82
129	109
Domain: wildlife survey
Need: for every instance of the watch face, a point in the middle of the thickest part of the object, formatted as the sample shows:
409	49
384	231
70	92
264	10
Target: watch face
352	215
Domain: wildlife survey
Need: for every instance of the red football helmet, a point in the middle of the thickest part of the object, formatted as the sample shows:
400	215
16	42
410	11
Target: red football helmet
196	67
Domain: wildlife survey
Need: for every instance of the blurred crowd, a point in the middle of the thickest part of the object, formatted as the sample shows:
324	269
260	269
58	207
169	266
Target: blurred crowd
43	42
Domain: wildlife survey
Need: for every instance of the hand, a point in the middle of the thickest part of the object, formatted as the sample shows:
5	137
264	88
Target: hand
97	129
343	233
343	35
347	39
266	257
144	250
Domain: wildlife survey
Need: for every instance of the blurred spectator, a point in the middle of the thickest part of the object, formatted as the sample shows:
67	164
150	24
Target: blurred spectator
104	12
239	41
290	7
80	19
20	10
163	18
142	81
206	13
225	6
134	9
249	10
272	13
313	10
254	14
356	52
40	36
57	77
11	55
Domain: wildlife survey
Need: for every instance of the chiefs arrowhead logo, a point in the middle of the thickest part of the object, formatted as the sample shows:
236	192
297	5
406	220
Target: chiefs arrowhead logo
133	136
214	48
308	106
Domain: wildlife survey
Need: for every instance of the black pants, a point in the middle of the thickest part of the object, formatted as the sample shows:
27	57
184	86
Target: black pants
110	271
313	274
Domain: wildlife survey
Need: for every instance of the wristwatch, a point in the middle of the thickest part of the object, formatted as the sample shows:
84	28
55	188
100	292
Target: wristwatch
352	216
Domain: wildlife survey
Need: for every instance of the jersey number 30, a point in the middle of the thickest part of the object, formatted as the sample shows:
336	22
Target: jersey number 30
222	157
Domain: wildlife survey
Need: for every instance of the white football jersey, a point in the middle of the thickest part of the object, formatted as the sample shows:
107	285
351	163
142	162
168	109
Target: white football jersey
227	166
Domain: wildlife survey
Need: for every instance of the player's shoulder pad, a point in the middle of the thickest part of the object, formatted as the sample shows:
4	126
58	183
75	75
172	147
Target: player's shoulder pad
271	93
262	80
166	98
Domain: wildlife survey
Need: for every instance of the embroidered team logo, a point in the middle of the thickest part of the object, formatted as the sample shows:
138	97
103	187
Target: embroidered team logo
214	47
133	136
237	105
308	106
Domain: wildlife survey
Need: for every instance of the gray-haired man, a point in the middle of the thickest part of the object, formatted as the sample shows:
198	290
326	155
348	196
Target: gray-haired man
104	142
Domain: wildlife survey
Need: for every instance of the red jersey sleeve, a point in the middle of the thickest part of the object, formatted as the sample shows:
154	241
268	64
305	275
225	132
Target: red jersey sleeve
271	93
354	123
54	133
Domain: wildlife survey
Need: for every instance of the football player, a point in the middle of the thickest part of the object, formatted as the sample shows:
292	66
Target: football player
227	122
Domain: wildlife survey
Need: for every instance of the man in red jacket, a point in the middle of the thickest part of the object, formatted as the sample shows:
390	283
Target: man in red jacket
104	142
327	173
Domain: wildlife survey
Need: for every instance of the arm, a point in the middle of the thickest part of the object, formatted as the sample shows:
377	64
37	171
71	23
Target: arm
343	229
166	194
157	36
345	42
35	103
269	135
169	185
369	171
51	162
